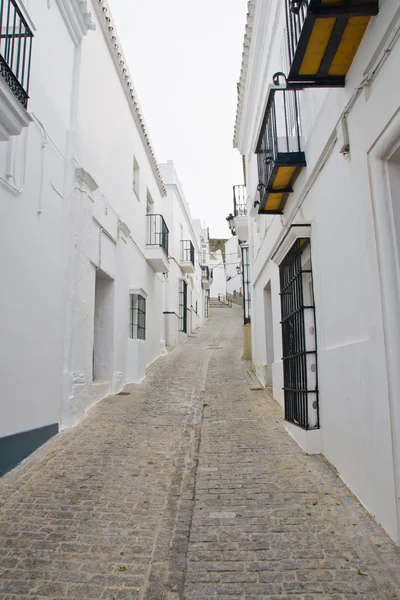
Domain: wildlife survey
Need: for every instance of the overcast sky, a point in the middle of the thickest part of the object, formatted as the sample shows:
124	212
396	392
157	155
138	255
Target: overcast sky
185	58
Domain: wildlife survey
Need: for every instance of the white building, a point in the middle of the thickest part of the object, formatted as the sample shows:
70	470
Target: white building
323	175
233	265
84	242
216	262
185	297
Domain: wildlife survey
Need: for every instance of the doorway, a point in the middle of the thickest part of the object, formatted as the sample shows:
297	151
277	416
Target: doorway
182	306
103	327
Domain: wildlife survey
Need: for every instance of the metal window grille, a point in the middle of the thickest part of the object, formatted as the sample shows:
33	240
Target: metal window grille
137	321
15	50
246	284
299	344
187	251
239	201
182	306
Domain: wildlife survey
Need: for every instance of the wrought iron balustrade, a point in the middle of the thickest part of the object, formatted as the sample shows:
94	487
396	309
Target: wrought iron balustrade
157	232
279	149
187	251
239	201
15	50
205	272
323	38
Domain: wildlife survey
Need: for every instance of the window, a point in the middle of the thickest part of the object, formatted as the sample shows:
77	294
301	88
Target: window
299	341
137	317
182	306
136	177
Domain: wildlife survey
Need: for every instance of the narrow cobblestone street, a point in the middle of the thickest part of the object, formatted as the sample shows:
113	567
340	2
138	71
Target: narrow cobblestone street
187	486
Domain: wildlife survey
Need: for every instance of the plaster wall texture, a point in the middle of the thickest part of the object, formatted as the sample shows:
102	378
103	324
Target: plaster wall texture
218	285
73	229
232	260
359	423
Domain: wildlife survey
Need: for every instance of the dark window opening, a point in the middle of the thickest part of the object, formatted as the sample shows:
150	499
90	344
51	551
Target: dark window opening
137	320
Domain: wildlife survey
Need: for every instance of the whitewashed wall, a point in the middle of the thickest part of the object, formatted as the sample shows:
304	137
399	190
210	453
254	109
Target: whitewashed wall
234	281
182	227
218	286
360	424
73	229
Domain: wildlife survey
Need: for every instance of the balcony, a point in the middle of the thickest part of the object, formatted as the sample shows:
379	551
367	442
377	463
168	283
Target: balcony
187	256
206	277
15	61
323	38
157	243
240	218
280	157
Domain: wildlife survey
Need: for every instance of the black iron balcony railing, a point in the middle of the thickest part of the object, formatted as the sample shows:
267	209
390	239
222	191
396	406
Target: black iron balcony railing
323	38
239	201
279	150
157	232
207	273
187	251
15	50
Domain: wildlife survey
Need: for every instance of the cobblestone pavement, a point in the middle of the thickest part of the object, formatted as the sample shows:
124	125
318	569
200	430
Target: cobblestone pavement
105	511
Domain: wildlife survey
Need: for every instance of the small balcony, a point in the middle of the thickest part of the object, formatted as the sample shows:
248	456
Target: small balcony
157	243
279	150
323	38
15	62
187	256
240	219
206	277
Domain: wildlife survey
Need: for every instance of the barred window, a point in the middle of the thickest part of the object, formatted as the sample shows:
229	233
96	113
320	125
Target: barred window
137	317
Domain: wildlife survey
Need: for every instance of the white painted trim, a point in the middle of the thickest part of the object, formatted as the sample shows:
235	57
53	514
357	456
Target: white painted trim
389	275
295	232
13	116
77	17
138	291
310	441
123	230
84	178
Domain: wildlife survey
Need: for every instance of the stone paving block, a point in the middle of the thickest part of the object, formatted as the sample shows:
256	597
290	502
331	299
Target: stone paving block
155	497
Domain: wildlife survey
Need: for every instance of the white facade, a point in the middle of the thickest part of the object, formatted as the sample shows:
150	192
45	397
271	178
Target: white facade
75	186
185	263
346	201
218	286
233	259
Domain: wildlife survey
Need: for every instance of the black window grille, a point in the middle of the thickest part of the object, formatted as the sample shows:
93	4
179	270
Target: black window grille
137	321
239	201
246	284
299	342
182	306
15	50
157	231
187	251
